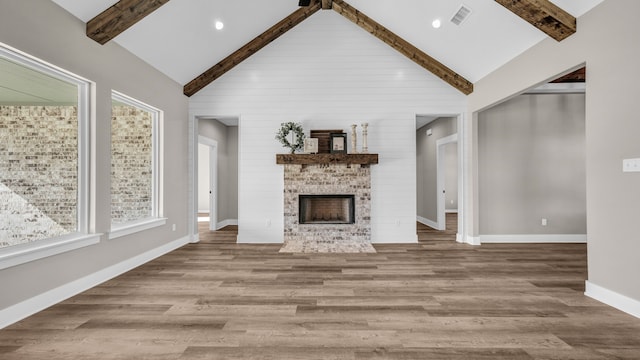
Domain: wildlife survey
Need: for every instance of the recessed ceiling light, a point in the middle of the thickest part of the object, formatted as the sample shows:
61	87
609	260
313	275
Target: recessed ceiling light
219	25
436	23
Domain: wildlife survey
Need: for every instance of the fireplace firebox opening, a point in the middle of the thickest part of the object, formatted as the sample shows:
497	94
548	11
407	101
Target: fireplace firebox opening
326	209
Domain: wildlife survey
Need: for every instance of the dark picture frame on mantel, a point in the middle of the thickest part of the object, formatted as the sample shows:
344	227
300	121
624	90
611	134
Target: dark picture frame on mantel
338	143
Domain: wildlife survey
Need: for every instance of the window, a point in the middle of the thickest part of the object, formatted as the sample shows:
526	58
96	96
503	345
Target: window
44	142
135	166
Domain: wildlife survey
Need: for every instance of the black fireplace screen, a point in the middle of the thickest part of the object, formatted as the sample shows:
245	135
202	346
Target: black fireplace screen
326	209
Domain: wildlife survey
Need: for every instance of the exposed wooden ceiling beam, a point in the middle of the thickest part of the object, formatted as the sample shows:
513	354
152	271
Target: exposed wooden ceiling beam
403	46
250	48
578	76
119	17
326	4
544	15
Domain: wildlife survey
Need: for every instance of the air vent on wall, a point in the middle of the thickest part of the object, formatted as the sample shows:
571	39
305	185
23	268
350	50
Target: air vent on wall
461	15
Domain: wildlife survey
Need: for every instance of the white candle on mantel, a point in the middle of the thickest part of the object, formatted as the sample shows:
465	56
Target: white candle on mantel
365	148
354	146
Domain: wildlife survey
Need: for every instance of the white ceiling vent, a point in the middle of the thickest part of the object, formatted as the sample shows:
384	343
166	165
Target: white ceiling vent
461	15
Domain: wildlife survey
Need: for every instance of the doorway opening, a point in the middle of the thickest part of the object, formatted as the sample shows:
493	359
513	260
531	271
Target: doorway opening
208	181
213	173
532	164
439	172
447	178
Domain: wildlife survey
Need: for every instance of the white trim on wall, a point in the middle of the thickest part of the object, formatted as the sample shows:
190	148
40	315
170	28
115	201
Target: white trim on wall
226	222
42	301
463	178
192	194
534	238
20	254
425	221
136	226
472	240
612	298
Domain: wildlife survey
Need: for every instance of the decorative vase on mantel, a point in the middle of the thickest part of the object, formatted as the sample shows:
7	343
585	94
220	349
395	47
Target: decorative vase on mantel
365	147
354	139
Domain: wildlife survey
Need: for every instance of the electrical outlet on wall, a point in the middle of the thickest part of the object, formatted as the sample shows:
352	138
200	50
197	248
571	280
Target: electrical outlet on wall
543	222
631	165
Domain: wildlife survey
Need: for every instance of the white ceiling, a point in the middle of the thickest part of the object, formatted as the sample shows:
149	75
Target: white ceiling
180	40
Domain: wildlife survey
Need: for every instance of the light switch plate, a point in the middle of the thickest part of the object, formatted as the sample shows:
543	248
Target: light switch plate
631	165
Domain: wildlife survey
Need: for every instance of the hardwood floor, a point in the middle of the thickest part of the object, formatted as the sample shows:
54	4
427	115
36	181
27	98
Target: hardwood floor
433	300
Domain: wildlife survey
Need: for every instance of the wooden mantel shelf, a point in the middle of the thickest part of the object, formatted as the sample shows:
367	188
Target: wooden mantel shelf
324	159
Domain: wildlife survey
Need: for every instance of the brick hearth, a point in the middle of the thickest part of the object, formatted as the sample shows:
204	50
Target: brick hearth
325	179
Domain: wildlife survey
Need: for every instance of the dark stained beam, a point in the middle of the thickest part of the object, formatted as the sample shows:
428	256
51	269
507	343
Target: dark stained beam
544	15
250	48
326	4
119	17
578	76
404	47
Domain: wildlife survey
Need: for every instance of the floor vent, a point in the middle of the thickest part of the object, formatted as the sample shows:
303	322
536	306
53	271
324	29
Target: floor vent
461	15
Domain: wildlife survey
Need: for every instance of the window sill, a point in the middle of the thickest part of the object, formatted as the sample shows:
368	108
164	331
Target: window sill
20	254
136	226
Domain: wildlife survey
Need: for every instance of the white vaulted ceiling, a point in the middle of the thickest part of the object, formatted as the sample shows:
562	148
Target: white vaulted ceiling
180	39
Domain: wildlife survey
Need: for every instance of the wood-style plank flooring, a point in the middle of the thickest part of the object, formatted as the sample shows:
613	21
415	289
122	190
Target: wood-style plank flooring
433	300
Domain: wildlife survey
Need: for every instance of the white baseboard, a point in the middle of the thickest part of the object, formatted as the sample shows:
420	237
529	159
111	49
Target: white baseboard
245	240
451	211
534	238
425	221
473	240
612	298
19	311
204	211
227	222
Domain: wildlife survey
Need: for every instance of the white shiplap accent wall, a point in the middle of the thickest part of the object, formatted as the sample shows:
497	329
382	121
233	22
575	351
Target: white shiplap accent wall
327	73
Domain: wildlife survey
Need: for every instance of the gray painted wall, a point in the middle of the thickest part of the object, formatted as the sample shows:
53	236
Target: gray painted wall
203	178
232	184
44	30
426	162
613	197
451	176
531	164
227	138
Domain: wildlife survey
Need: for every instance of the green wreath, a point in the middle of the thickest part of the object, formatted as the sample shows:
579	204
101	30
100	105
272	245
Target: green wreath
298	135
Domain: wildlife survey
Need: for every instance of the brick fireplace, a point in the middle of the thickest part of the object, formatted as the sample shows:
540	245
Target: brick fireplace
326	209
327	203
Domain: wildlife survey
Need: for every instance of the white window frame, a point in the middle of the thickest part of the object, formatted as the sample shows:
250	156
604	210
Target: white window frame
83	236
156	219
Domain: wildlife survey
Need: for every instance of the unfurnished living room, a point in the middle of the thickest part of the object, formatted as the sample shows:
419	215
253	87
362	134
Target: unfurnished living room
319	179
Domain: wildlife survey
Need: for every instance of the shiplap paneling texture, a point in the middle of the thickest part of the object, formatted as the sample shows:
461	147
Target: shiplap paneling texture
327	73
